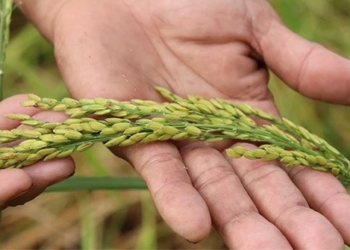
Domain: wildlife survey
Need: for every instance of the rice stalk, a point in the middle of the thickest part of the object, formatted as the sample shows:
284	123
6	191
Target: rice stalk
5	17
143	121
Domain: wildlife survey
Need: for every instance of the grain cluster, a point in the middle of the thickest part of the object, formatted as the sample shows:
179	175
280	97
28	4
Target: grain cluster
144	121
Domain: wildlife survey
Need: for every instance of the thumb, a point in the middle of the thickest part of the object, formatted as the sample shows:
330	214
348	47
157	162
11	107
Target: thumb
306	67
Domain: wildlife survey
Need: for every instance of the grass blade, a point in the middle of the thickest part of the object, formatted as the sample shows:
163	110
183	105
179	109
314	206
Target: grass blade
87	222
79	183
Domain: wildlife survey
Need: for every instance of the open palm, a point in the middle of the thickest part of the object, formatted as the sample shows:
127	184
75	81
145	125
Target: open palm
122	49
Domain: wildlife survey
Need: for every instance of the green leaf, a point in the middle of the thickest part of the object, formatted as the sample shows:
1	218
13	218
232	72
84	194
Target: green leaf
79	183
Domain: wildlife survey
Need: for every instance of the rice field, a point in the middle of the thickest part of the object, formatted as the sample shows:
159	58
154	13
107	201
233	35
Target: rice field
126	218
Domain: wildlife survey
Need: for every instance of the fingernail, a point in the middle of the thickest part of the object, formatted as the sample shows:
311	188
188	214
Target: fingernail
22	192
7	203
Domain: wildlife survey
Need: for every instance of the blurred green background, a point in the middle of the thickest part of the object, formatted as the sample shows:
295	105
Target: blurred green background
127	219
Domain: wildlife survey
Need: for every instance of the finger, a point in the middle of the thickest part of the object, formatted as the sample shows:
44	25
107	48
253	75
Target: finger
235	215
179	204
326	195
42	175
305	66
13	183
279	200
12	105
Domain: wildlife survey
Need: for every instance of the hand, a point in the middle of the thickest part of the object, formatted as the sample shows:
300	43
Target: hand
18	186
122	49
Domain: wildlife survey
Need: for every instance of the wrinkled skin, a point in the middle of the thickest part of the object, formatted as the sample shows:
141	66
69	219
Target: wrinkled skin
122	49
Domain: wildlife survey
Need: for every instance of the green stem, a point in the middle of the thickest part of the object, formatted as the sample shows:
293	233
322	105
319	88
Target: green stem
87	222
5	16
148	234
78	183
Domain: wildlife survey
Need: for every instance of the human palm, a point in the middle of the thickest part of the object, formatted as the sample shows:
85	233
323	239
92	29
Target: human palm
122	49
